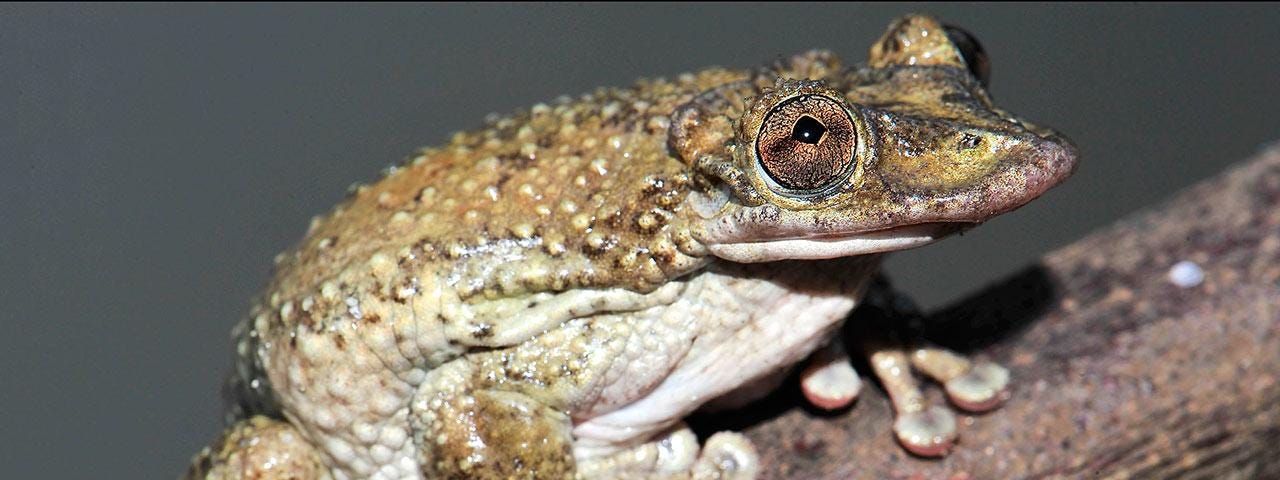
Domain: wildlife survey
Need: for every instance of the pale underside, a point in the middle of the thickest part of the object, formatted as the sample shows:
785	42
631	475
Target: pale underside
732	324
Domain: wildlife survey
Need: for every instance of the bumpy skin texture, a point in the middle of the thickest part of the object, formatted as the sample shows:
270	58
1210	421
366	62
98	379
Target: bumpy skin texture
259	448
550	295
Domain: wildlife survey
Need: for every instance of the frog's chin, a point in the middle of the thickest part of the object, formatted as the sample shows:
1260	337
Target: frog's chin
833	246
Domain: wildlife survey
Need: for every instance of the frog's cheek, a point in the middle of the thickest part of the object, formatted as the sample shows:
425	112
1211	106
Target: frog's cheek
890	240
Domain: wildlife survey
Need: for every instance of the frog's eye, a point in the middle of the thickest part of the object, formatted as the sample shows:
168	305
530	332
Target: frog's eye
806	143
974	56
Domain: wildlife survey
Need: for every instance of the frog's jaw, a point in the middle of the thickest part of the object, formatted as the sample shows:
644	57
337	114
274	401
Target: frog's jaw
890	240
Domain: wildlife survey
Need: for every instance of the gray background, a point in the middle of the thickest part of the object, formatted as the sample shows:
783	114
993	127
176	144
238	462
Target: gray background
154	158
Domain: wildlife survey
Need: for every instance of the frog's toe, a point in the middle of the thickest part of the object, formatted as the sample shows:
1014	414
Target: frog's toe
928	433
982	388
829	382
974	387
727	456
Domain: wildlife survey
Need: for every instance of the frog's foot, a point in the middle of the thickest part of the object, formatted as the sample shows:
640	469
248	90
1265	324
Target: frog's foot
931	430
467	432
258	447
829	382
676	456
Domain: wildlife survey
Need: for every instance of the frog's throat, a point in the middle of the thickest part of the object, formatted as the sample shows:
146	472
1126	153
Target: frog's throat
820	248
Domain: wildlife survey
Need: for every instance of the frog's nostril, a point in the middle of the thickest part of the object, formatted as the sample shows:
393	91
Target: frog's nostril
1063	159
1054	161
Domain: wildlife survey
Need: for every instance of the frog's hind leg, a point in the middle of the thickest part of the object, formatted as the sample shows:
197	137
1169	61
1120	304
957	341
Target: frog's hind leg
258	448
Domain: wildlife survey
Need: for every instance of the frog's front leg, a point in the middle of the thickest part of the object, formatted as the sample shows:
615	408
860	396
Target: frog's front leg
830	382
467	427
924	429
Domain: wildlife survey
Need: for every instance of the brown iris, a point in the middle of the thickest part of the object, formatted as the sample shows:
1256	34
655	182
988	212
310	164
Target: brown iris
806	142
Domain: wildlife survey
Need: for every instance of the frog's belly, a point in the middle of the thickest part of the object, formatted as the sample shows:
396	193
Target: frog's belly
747	322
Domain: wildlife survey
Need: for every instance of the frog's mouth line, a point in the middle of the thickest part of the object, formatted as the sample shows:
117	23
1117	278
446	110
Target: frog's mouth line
838	245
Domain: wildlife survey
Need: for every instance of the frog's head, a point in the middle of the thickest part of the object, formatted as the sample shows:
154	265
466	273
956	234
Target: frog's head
811	161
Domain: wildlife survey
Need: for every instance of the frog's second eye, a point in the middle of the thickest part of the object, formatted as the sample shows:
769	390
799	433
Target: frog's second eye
806	143
974	56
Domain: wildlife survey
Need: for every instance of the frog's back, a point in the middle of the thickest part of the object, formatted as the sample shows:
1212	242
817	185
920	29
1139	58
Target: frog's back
588	182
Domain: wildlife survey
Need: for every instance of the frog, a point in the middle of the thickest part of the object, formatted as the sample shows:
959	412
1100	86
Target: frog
551	295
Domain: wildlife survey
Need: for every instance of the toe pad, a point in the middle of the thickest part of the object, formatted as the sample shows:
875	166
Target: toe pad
928	433
831	386
984	387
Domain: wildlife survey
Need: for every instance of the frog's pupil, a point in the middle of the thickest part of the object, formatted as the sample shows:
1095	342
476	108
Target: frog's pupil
808	130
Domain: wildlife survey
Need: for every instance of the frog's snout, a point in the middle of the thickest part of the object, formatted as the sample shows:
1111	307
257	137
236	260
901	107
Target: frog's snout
1052	162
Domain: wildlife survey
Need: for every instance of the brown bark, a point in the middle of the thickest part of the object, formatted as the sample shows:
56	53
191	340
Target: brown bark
1117	372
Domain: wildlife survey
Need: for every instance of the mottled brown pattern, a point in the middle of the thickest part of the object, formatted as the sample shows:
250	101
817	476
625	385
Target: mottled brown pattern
579	182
